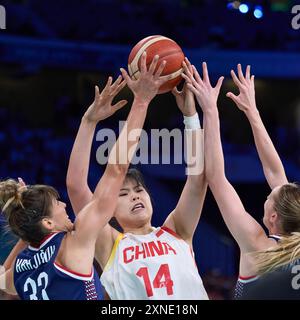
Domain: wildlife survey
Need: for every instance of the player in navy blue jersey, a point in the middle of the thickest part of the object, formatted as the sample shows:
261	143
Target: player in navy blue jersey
260	253
282	283
46	268
58	261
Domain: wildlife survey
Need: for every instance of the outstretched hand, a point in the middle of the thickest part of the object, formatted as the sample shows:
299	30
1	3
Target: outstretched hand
149	81
185	98
246	98
102	107
205	94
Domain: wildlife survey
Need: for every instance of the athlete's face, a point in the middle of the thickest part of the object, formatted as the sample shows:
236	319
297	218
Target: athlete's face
134	208
59	220
270	215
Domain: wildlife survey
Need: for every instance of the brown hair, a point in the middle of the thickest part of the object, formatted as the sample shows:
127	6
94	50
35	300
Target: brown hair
287	206
25	207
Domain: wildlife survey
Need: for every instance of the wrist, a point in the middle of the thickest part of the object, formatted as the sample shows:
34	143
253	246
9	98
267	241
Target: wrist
189	113
252	114
85	120
192	122
250	107
140	103
211	110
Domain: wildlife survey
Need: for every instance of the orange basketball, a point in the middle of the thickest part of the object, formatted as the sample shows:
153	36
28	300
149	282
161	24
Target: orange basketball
167	49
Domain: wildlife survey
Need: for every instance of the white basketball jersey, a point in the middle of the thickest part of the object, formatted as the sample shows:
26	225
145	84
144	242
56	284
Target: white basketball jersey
155	266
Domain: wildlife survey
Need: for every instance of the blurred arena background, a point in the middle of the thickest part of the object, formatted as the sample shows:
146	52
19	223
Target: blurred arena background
52	53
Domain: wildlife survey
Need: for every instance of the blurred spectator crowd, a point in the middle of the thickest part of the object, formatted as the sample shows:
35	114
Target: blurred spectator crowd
194	24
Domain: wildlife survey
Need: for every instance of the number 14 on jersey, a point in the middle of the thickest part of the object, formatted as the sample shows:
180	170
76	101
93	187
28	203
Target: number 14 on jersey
161	280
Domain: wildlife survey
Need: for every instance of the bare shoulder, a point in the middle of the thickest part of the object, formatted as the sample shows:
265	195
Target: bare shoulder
266	243
169	222
170	225
247	260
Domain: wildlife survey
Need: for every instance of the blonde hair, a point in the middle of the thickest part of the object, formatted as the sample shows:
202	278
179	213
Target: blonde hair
287	206
287	251
10	195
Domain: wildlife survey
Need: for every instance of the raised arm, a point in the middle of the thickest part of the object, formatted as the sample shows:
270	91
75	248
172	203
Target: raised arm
107	190
245	101
247	232
92	222
77	175
185	217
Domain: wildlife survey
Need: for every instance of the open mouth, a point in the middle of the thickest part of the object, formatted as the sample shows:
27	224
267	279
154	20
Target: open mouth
137	207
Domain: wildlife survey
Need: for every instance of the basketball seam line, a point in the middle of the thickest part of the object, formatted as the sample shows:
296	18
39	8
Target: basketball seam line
168	54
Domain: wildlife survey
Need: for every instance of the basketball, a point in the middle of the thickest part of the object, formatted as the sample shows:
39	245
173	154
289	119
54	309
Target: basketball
167	49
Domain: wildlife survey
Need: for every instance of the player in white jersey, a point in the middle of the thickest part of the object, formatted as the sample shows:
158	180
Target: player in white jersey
282	207
144	262
156	265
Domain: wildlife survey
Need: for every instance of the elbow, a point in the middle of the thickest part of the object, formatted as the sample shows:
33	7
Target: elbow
75	179
70	182
214	175
217	181
275	177
71	186
75	182
212	178
75	189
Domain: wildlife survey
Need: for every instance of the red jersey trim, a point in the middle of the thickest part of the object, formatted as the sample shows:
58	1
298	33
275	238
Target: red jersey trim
72	273
46	239
247	278
159	233
173	233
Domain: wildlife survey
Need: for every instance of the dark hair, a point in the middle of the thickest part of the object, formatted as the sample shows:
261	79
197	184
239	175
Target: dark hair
134	174
25	207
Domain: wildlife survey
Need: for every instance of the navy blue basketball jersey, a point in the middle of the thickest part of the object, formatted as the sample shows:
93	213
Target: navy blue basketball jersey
283	283
38	277
246	283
